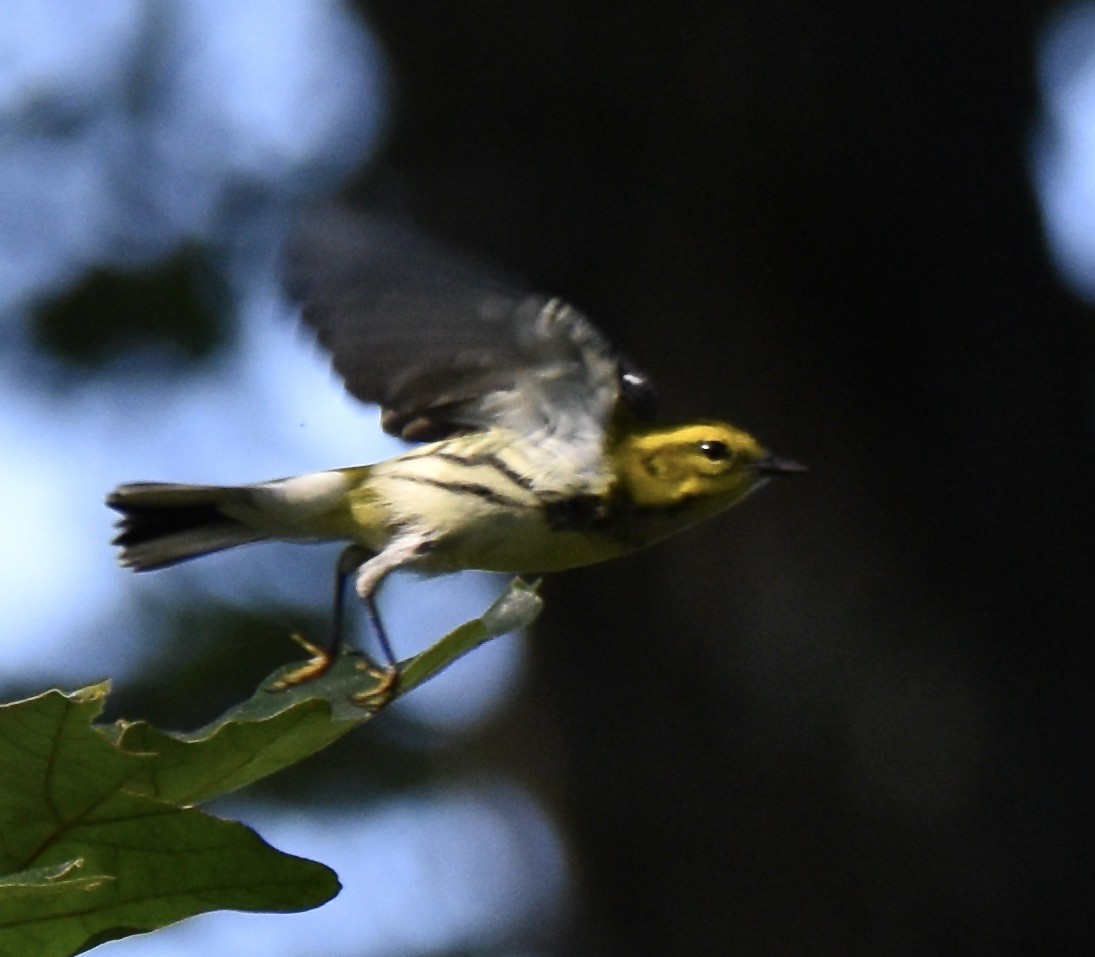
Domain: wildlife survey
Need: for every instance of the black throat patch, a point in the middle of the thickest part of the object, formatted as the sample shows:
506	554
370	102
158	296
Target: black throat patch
578	513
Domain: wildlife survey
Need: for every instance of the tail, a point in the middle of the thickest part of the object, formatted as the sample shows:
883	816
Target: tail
162	524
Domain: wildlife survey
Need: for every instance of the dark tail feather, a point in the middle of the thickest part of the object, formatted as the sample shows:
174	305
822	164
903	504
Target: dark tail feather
162	524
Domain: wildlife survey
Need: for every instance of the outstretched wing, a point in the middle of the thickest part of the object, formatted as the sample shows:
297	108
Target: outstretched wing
446	347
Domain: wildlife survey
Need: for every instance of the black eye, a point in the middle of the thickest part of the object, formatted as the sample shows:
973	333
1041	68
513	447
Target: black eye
716	451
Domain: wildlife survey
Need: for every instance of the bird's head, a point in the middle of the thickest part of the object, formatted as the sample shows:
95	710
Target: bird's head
709	465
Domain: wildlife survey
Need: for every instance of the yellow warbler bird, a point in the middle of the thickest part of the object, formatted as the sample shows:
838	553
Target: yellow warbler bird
538	453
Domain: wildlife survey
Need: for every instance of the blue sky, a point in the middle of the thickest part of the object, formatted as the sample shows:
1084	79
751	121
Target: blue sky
1063	154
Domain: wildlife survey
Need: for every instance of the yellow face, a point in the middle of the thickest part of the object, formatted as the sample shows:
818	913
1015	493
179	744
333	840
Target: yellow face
708	463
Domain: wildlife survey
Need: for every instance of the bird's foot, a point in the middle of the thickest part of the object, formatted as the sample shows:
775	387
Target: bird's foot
316	666
387	686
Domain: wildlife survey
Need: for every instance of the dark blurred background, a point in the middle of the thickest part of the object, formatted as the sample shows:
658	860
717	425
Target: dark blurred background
854	716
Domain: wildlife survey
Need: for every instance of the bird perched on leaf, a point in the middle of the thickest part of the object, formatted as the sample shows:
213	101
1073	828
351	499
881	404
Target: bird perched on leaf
537	446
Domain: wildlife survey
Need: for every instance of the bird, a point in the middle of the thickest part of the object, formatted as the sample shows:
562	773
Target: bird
535	444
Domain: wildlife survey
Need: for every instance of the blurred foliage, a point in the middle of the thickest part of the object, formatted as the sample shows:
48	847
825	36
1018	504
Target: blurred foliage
178	305
208	656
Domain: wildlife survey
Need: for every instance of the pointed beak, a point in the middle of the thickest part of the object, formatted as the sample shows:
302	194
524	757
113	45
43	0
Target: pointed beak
774	465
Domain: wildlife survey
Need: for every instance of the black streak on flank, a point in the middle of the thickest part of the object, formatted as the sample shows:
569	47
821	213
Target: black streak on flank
464	488
491	461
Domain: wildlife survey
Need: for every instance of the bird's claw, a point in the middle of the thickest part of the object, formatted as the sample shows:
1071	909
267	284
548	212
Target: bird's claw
386	688
316	666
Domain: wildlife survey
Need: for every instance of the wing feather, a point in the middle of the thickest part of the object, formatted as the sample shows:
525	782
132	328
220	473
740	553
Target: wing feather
444	345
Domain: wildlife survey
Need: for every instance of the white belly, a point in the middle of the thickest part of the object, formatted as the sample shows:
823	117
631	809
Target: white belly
479	518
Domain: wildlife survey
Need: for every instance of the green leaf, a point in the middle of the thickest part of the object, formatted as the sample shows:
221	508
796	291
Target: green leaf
94	842
517	607
85	860
275	729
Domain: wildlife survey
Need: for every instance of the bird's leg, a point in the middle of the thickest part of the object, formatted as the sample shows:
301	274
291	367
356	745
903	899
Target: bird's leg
351	559
401	550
